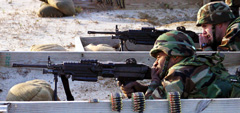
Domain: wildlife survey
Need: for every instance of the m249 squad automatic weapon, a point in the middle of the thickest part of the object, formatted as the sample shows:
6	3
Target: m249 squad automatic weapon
145	36
89	70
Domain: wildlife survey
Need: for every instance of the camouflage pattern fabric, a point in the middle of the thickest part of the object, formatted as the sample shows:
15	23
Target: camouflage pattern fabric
231	41
199	77
233	3
202	76
173	43
219	12
214	13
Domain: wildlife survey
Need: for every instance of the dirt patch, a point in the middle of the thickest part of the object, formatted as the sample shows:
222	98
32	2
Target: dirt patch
23	72
4	75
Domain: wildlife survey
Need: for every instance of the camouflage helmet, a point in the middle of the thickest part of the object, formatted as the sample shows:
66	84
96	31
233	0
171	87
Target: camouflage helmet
214	13
235	3
173	43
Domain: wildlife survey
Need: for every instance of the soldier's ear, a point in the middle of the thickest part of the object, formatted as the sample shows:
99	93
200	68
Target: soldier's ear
175	58
220	25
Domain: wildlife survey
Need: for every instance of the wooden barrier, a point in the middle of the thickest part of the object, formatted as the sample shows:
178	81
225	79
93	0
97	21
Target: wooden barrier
7	57
225	105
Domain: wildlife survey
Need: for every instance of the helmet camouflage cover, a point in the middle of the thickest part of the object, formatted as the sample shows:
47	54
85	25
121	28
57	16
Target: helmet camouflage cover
173	43
214	13
235	3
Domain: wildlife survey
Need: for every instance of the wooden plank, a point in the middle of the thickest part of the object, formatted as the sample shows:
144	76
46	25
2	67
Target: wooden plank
83	106
210	105
232	59
78	45
4	108
8	57
223	105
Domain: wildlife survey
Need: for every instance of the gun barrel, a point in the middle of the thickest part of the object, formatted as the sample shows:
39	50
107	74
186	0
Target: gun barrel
98	32
29	65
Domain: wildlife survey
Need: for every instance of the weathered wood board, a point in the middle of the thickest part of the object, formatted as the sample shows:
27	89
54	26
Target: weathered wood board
230	105
7	58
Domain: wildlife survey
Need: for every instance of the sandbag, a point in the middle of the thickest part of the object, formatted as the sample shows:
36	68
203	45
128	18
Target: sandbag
34	90
47	47
99	47
65	6
48	11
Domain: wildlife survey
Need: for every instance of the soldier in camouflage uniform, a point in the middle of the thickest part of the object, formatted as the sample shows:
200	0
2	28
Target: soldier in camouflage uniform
177	68
220	27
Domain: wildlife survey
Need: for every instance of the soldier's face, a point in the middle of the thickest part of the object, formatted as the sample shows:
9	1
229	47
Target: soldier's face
159	63
207	32
219	32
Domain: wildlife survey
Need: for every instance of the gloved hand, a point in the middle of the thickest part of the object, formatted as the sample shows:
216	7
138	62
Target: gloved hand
155	71
205	41
156	81
132	87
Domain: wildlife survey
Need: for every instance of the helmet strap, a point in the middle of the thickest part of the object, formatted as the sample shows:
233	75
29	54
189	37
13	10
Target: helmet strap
214	45
164	70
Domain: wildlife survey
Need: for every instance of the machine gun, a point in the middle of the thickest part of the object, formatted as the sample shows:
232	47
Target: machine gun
89	70
145	36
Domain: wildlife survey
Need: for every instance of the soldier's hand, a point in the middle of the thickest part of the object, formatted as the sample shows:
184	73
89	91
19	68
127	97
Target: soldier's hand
156	80
132	87
155	71
205	40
